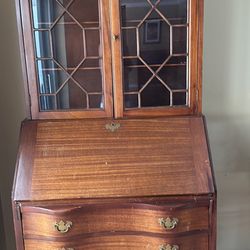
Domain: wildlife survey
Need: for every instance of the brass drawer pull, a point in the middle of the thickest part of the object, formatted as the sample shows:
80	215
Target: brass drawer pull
63	227
169	247
66	248
169	223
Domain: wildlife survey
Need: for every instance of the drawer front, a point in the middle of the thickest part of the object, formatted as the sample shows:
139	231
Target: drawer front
123	242
73	221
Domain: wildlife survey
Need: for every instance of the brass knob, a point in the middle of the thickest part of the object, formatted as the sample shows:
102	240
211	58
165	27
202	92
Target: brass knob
63	227
169	247
116	37
168	223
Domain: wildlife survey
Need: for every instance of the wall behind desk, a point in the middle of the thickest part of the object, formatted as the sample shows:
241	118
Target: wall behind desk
11	110
226	105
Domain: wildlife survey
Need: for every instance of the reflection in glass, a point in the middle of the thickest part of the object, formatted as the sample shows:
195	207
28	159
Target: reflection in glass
67	51
42	42
71	97
155	94
131	101
45	12
174	76
50	76
68	54
155	38
135	77
179	99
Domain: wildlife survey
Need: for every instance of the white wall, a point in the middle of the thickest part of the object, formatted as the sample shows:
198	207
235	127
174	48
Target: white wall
226	105
11	110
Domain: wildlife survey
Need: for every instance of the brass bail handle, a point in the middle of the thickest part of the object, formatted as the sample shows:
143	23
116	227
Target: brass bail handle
63	227
169	223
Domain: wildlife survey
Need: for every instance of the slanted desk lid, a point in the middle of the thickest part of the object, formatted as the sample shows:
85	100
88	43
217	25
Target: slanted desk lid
74	159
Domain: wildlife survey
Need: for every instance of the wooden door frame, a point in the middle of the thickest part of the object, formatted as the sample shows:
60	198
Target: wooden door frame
196	17
30	74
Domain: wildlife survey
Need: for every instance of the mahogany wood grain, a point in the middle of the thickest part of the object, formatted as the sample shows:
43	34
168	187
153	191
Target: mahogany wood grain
193	54
22	55
107	60
187	201
109	218
82	159
24	164
117	58
125	242
29	50
17	226
200	54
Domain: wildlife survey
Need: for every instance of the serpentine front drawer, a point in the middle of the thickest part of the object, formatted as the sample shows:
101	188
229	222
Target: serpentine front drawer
123	242
72	221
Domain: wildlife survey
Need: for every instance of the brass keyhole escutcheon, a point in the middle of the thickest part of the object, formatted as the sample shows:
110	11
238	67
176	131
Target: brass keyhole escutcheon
168	223
113	126
63	227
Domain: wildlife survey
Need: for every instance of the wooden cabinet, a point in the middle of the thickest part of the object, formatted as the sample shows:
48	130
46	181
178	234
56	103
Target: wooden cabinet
137	174
109	58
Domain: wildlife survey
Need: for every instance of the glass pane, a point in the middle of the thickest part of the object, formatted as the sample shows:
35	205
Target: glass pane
133	11
47	103
131	101
45	13
90	78
68	54
180	99
96	101
155	95
50	76
67	51
42	42
93	43
175	11
129	42
154	40
179	40
85	12
71	97
155	36
174	76
135	76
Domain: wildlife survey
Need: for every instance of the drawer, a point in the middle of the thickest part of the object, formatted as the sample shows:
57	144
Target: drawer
125	242
73	221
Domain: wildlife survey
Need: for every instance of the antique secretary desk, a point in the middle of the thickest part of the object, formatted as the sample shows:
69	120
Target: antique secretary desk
114	154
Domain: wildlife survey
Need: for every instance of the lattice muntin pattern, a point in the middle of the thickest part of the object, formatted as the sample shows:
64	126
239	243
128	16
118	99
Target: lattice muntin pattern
173	59
48	61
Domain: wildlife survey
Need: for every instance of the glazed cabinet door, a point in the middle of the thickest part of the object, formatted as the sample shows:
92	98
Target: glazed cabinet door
68	61
156	56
